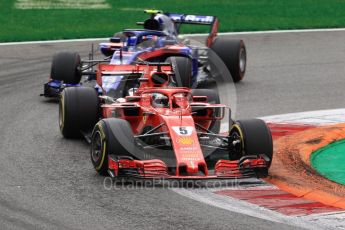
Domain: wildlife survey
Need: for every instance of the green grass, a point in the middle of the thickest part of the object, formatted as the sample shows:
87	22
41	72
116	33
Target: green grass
245	15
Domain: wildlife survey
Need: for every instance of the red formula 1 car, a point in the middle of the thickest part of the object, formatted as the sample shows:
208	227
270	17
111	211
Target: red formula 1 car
161	131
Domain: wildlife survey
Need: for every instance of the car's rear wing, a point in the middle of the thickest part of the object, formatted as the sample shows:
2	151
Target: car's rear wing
191	19
179	19
211	21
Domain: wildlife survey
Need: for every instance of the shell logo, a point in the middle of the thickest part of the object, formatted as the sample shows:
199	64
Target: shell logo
185	140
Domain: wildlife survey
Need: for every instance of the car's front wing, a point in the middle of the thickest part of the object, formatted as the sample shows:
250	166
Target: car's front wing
223	169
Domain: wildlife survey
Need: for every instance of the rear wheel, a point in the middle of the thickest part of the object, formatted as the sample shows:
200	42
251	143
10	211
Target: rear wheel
183	71
255	139
110	136
233	54
78	110
66	67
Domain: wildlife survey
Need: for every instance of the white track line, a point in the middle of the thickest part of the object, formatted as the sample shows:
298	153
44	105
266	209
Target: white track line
275	32
61	4
319	117
53	41
195	35
243	207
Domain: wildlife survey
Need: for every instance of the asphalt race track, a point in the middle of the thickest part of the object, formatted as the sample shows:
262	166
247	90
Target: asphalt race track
49	182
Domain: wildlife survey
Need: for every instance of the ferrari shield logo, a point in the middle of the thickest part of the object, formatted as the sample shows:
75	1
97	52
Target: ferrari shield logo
144	119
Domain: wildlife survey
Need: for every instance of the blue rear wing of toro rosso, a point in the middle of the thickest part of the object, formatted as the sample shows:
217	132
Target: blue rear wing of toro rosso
191	19
211	21
179	19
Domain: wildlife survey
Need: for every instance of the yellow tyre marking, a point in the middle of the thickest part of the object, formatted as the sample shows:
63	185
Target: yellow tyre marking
241	134
103	146
62	122
100	127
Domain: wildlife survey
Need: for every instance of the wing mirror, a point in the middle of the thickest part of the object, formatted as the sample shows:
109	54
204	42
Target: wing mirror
199	98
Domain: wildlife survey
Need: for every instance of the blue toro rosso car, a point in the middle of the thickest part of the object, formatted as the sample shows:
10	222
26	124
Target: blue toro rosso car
159	41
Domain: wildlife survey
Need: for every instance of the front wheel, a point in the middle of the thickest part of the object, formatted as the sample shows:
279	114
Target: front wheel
110	136
254	138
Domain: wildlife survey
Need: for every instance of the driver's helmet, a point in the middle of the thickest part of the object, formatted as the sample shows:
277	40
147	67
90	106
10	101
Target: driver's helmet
160	100
166	24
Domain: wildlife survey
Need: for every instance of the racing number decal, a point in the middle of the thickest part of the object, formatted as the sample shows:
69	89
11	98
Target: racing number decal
183	130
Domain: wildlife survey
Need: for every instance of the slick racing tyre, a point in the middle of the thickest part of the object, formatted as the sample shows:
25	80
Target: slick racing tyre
255	138
212	98
66	67
110	136
78	110
183	71
233	54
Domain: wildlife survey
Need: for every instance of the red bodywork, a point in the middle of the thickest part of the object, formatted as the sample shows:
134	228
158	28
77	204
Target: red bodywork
139	111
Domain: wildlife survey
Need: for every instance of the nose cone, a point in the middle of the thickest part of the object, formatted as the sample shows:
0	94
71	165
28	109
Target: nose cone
189	157
195	167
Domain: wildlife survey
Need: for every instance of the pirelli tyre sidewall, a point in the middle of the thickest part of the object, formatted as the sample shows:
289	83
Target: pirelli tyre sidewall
99	148
67	122
78	110
111	136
